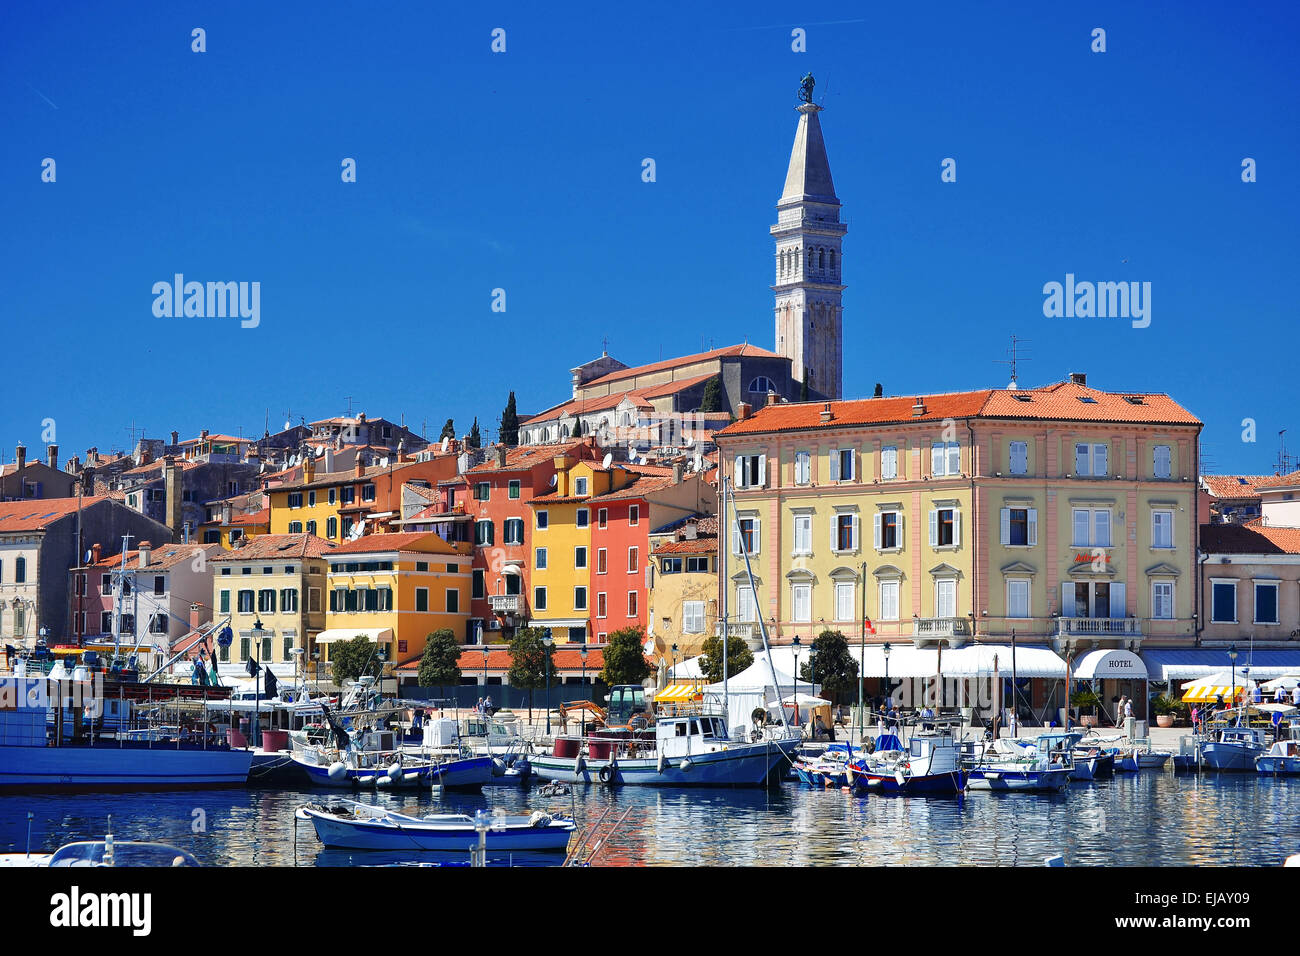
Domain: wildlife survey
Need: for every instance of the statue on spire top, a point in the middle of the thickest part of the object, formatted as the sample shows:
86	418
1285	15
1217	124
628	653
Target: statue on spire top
806	88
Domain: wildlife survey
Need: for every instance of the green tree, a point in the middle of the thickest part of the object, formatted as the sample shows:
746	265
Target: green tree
712	400
832	666
351	659
803	387
448	430
529	657
440	662
474	439
739	657
625	661
509	434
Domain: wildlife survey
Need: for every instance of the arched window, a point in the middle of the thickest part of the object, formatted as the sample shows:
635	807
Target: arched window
821	258
586	427
810	259
832	260
564	431
20	570
625	420
762	385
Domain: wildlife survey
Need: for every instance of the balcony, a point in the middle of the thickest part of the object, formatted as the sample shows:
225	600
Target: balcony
749	633
1099	628
506	603
954	630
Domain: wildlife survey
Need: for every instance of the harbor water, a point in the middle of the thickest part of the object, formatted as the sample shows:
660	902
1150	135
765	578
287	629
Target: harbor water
1155	818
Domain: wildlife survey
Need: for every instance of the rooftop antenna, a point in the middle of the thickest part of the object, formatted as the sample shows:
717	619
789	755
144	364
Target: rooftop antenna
1285	462
1017	357
349	399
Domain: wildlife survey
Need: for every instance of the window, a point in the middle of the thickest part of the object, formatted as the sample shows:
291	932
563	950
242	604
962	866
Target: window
602	517
1161	461
159	585
332	495
453	601
539	559
692	617
803	534
1090	460
20	570
295	527
602	563
478	584
1266	602
1018	597
887	531
1224	603
945	598
331	527
580	599
1019	454
348	495
580	557
483	532
295	499
580	486
945	458
889	462
311	527
745	531
1162	600
1162	529
512	532
698	564
288	600
583	518
1020	526
802	467
481	490
313	600
513	489
889	600
672	565
761	385
845	592
746	605
106	581
801	603
751	471
539	599
311	499
158	624
844	531
422	599
601	609
945	527
368	492
266	601
245	649
223	604
105	622
842	460
246	602
542	520
633	560
288	648
422	565
634	515
1091	527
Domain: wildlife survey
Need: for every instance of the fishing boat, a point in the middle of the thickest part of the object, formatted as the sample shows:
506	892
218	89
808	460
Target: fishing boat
1282	759
1235	749
360	826
828	769
1009	765
932	764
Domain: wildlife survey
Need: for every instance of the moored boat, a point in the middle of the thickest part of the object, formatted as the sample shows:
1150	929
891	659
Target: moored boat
360	826
1282	759
1235	749
930	765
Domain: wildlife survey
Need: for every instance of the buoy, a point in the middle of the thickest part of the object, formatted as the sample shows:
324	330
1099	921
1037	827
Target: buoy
337	770
577	765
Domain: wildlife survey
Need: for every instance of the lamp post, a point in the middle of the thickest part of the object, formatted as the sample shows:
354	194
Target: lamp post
583	654
485	690
888	696
812	678
256	634
1232	656
674	675
796	643
547	641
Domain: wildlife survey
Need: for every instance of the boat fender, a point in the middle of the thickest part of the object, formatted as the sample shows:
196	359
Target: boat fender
577	764
606	773
410	776
898	776
685	765
395	770
663	762
337	770
366	780
383	782
498	767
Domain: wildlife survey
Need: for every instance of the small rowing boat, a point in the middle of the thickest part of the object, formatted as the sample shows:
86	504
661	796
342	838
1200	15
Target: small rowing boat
360	826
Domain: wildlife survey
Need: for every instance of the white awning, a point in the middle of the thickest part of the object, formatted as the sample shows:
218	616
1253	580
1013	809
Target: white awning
349	633
1110	664
905	660
1190	663
976	660
689	668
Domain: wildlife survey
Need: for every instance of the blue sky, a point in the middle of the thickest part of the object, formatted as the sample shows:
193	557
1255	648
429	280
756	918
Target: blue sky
522	170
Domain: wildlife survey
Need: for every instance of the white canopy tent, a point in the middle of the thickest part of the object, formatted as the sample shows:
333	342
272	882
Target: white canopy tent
688	669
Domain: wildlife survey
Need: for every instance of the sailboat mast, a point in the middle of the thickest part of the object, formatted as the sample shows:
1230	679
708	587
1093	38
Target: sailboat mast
726	696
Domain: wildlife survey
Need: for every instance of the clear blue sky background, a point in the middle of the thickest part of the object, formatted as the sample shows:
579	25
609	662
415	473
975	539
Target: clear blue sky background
522	170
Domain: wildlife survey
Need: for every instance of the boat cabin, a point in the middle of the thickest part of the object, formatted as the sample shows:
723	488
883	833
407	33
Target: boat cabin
1244	735
684	736
626	701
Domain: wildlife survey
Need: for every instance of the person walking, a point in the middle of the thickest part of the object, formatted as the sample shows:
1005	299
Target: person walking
1119	711
1128	709
1295	696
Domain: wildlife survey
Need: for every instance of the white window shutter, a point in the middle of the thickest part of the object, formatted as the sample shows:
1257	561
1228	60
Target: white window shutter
1033	526
740	472
934	528
954	458
735	537
1006	525
762	471
956	527
875	524
1081	459
936	459
757	537
835	464
856	533
1067	599
1118	607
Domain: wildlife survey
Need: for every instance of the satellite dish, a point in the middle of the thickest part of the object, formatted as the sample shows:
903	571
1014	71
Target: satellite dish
444	444
606	460
555	480
288	425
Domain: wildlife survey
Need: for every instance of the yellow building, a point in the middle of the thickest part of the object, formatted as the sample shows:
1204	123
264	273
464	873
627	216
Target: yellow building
397	589
279	581
561	566
683	600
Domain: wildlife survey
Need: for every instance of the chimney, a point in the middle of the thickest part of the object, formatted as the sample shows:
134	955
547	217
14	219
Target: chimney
145	550
52	456
88	481
309	464
677	473
145	455
195	621
879	392
225	512
401	450
742	411
827	414
95	550
361	418
501	455
918	407
359	466
329	460
176	438
203	434
1078	378
172	485
22	456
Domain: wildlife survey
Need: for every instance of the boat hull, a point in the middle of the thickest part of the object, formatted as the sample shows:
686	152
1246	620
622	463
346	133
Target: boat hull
1278	766
1040	781
108	767
742	766
1228	758
367	835
934	784
470	774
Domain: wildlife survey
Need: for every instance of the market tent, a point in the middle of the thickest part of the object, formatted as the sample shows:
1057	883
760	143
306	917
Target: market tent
679	694
1286	682
802	700
689	668
1211	688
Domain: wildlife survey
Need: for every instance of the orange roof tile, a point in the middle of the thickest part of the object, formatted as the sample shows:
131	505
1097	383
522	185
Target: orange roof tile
1250	538
1232	486
1070	402
278	546
40	512
705	545
160	558
1289	480
525	457
726	352
399	541
866	411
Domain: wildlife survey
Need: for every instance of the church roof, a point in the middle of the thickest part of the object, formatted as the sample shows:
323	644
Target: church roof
809	175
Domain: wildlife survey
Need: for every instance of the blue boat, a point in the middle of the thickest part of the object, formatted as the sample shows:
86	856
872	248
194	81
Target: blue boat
1282	759
930	765
359	826
1235	750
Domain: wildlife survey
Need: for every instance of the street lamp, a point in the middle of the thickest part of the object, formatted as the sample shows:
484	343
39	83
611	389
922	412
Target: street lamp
888	696
796	643
1232	656
583	654
485	691
255	666
547	641
674	661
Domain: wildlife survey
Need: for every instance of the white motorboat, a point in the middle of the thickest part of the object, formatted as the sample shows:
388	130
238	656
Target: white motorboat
361	826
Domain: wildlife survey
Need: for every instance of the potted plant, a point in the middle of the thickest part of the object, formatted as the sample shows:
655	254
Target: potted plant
1166	709
1085	699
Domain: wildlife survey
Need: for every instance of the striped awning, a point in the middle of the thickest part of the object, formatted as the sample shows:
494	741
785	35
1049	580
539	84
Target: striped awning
1208	693
679	694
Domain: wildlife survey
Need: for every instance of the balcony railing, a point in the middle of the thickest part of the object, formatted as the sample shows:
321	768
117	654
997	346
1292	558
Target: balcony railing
1098	627
936	628
506	603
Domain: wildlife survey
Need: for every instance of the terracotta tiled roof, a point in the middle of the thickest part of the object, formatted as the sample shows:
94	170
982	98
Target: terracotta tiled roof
256	518
639	397
428	494
160	559
324	480
705	545
184	464
524	457
729	351
1249	538
401	541
278	546
641	486
1280	481
39	513
1232	486
222	438
1063	401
